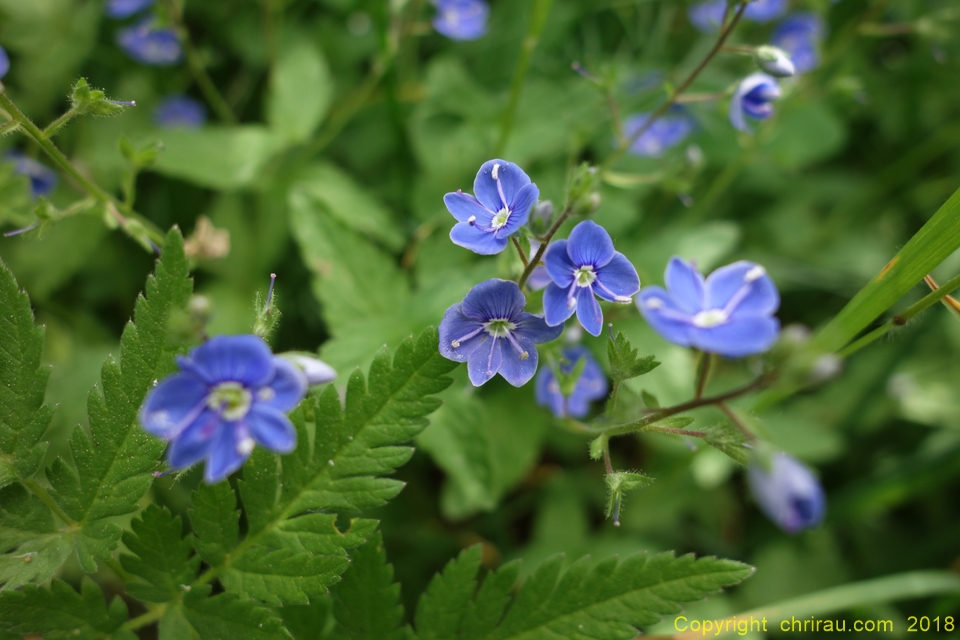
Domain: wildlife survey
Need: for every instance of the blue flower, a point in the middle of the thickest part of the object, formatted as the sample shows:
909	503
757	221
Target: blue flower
180	111
119	9
4	62
664	133
583	266
708	16
461	19
146	43
231	394
765	10
492	333
591	385
731	313
43	179
799	35
539	277
788	493
504	197
752	100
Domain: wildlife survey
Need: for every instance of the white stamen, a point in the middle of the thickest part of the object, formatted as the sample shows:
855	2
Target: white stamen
654	303
755	274
623	299
472	220
495	174
245	446
571	303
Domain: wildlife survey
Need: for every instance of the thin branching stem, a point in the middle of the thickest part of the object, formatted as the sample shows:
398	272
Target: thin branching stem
535	260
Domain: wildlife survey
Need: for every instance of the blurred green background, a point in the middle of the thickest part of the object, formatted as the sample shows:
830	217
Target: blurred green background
355	119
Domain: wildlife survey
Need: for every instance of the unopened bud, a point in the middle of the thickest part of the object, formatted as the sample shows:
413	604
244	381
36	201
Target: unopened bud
317	371
774	61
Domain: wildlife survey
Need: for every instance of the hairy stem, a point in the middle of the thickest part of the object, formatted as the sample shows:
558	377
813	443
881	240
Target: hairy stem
735	419
38	490
535	260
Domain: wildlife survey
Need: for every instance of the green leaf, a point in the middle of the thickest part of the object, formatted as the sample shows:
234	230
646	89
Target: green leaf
728	439
366	603
87	101
61	613
625	362
608	600
301	89
162	557
33	546
222	617
23	382
293	550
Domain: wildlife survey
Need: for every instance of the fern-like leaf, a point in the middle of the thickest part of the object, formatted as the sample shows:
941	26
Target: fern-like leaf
366	603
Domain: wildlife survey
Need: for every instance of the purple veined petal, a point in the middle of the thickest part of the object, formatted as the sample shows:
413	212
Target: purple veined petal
556	305
745	287
520	209
765	10
119	9
510	177
271	429
590	244
483	243
180	112
463	206
686	285
245	359
739	337
588	311
461	19
456	327
747	86
662	313
558	263
484	362
617	278
4	62
514	368
536	329
493	299
173	405
195	442
227	453
287	388
547	392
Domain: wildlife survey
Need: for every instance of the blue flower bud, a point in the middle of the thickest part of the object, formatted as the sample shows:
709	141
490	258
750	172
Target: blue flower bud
787	492
317	371
753	100
774	61
461	19
4	62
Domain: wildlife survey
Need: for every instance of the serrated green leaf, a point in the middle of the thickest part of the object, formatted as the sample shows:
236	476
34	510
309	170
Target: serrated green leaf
366	603
162	557
728	439
301	89
625	363
293	550
226	617
33	547
608	600
61	613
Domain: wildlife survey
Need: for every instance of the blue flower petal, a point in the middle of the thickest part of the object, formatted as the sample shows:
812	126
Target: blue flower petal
788	493
481	242
558	263
539	278
548	394
511	180
590	244
464	206
516	370
520	209
119	9
747	87
493	299
556	308
588	311
195	442
765	10
461	19
685	284
287	388
173	405
739	337
652	302
245	359
455	327
484	362
761	296
619	277
180	111
225	455
4	62
535	328
148	44
271	428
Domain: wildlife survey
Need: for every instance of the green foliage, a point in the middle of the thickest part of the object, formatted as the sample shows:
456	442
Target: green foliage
225	158
625	361
33	546
161	556
301	89
728	439
221	617
87	101
608	600
293	550
60	612
618	485
366	602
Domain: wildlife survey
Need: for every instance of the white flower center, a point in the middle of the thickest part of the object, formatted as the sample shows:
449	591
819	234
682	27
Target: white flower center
500	219
499	328
710	318
585	276
231	399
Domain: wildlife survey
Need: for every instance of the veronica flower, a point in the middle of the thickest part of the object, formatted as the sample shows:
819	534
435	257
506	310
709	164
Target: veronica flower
665	132
787	492
581	267
230	395
461	19
753	100
149	44
729	313
504	197
43	179
708	16
180	111
119	9
539	277
4	62
590	386
492	333
800	35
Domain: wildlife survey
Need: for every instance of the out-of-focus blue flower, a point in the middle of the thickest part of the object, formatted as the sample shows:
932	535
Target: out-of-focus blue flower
788	493
43	179
149	44
461	19
708	16
492	333
800	35
765	10
180	111
119	9
729	313
4	62
591	385
664	133
584	266
752	100
504	197
539	277
231	394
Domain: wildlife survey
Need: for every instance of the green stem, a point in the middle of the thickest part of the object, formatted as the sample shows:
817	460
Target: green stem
152	615
703	372
58	124
902	318
37	489
737	422
538	19
523	256
535	260
118	569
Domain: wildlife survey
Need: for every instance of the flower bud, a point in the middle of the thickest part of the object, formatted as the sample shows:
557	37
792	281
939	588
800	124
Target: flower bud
774	61
582	192
317	371
787	491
